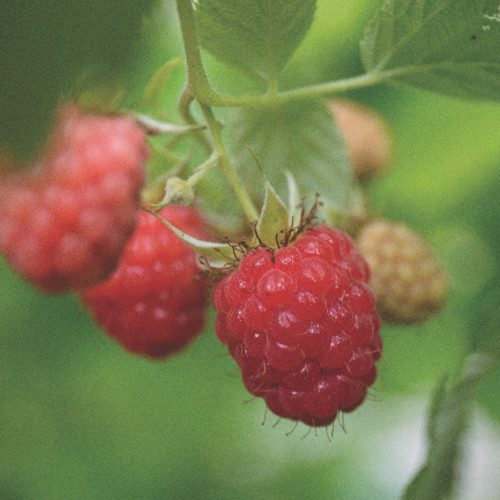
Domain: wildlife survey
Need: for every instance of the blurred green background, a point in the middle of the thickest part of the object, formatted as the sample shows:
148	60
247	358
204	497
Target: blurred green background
81	419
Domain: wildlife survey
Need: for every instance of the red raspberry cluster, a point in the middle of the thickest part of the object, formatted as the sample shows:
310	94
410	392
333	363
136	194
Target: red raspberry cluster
300	320
301	324
65	220
154	302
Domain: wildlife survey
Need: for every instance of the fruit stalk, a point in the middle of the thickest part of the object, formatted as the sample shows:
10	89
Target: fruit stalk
214	128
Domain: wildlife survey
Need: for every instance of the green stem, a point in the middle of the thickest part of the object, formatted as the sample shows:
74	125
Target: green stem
203	169
198	84
320	90
185	100
215	131
198	87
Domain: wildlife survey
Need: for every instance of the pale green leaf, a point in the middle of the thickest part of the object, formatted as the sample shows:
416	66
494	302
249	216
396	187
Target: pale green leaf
255	36
293	195
301	139
446	46
274	217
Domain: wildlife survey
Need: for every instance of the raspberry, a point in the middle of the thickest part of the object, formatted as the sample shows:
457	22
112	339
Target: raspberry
408	280
301	324
154	302
367	138
65	221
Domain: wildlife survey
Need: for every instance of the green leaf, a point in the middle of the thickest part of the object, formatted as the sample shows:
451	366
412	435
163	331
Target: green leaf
446	46
255	36
447	420
299	138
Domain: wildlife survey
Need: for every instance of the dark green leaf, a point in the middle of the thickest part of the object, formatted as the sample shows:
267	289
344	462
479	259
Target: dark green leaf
447	46
445	429
256	36
302	139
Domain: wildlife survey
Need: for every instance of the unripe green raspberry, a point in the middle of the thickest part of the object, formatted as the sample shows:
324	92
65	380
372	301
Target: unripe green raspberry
406	277
367	137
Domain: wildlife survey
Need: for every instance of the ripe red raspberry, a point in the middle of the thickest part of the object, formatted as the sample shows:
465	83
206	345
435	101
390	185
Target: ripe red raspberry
65	221
300	323
406	277
154	302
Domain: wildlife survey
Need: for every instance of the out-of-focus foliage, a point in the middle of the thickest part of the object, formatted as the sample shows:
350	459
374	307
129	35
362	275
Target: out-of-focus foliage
47	46
80	418
447	422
